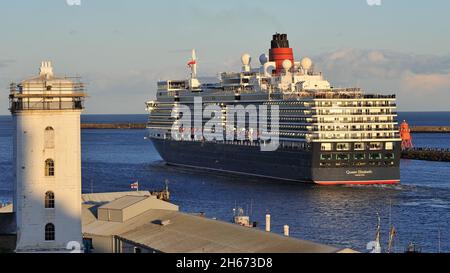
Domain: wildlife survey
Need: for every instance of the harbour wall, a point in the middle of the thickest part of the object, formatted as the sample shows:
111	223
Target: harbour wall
113	126
430	129
427	154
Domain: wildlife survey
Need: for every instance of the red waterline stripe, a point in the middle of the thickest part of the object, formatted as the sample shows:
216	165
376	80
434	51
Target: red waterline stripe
368	182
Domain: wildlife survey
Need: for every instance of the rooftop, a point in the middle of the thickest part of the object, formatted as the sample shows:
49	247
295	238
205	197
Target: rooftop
161	227
124	202
186	233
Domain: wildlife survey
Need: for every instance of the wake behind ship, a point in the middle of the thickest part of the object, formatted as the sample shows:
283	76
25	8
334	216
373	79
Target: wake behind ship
327	135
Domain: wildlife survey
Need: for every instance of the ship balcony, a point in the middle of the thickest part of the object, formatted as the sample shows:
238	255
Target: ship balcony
326	106
357	130
392	113
315	137
349	94
356	122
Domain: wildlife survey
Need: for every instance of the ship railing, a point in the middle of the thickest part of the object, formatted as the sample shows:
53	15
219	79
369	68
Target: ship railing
357	114
356	121
292	144
373	138
356	106
357	130
349	93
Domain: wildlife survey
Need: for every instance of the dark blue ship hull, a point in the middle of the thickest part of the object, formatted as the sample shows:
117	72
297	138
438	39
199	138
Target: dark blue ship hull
287	163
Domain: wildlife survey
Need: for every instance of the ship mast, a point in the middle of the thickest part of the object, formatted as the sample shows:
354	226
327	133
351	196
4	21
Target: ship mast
378	236
392	234
193	65
193	81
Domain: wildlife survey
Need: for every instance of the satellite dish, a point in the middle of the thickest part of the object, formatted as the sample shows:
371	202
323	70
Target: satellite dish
306	63
246	59
263	59
287	64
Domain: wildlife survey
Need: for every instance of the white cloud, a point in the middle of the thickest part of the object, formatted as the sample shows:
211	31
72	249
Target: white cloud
412	77
426	82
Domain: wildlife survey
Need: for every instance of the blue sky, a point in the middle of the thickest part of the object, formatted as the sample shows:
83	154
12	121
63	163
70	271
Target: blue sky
121	48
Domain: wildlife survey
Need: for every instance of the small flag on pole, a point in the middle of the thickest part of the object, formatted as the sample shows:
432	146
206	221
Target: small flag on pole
191	63
135	186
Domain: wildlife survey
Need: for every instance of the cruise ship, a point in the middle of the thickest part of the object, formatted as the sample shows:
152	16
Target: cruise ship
317	133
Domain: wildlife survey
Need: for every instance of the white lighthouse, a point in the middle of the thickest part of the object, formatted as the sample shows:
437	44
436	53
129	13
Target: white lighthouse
47	160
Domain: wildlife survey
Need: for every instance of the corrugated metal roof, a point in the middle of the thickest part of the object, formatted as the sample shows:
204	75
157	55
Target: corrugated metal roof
194	234
186	233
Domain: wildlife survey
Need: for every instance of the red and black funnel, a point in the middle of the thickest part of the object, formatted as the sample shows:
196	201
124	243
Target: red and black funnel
280	51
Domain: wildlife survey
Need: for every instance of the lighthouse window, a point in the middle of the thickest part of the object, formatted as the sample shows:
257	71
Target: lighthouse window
49	138
49	200
49	167
50	232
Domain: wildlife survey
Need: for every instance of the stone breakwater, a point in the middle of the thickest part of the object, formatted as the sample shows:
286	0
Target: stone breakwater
427	154
430	129
113	126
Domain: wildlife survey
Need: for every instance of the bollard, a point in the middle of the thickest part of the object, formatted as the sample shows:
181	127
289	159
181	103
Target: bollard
286	230
268	222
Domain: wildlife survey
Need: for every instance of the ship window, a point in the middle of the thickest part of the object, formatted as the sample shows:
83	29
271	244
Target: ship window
326	157
343	146
359	146
389	156
49	200
49	232
49	167
375	156
343	157
360	156
327	147
389	146
49	138
375	146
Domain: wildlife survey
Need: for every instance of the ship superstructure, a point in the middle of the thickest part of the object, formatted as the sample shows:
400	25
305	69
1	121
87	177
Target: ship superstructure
326	135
